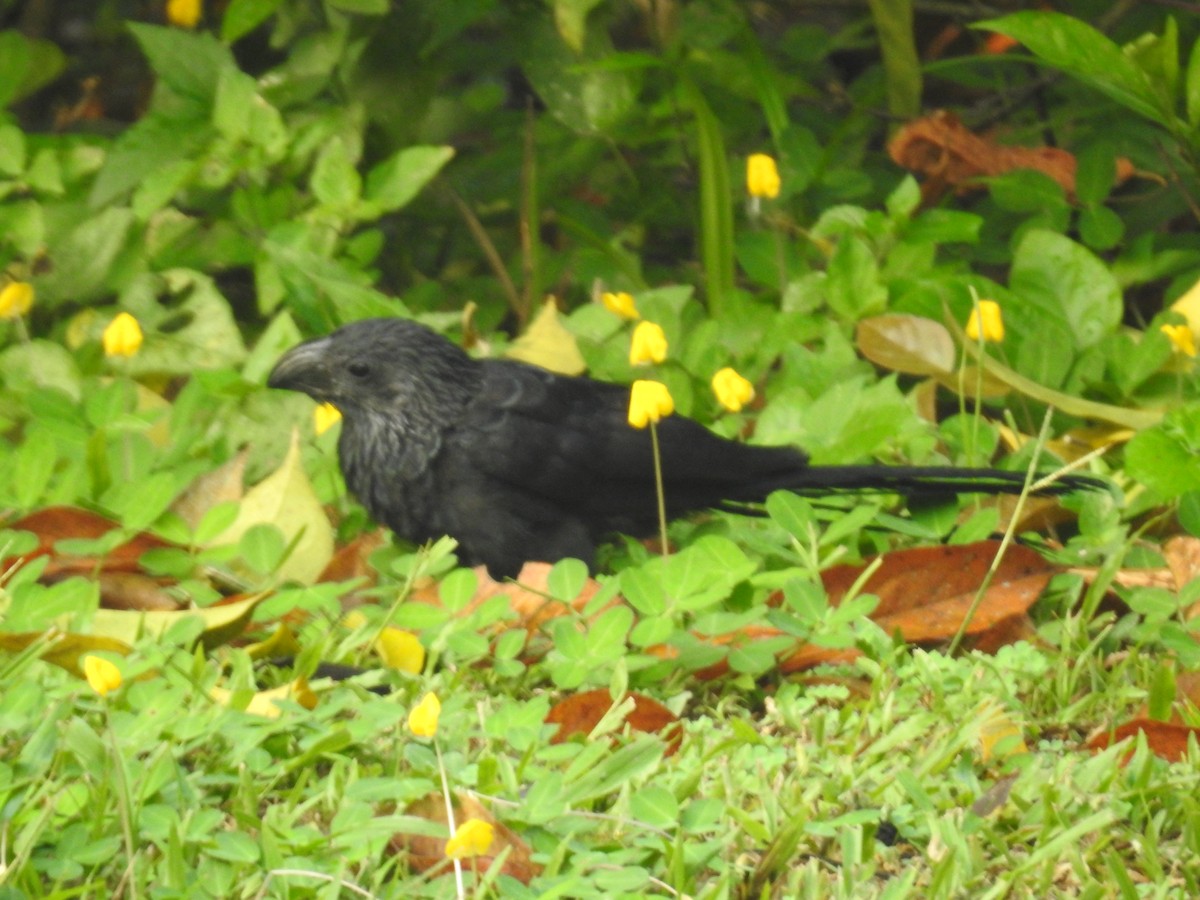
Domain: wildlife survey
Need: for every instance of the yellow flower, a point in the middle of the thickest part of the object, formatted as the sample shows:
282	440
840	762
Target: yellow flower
423	718
472	838
987	321
325	417
732	390
621	304
401	650
16	298
762	176
649	344
102	675
1181	338
649	401
123	336
184	13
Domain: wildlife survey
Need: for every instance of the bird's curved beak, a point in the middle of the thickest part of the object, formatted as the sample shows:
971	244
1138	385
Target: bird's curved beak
304	368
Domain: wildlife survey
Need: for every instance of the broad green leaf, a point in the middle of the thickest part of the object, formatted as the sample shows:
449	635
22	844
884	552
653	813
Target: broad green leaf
197	333
189	63
12	150
586	99
286	499
26	64
1065	282
1164	457
83	258
243	16
1070	44
335	182
39	363
394	182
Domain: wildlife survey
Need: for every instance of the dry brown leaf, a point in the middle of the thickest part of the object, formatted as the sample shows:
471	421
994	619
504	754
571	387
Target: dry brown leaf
1182	554
223	484
1163	738
924	594
953	157
56	523
580	713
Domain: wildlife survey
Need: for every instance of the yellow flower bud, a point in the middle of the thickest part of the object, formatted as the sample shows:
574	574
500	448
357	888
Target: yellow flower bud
620	304
732	390
762	176
1181	338
185	13
649	344
423	718
123	336
401	650
987	321
472	838
325	417
16	298
649	401
101	675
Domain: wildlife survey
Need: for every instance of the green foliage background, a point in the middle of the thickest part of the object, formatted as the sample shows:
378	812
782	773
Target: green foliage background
291	165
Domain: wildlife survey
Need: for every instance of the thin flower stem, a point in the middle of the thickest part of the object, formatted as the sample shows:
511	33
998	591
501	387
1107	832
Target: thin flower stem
458	875
658	488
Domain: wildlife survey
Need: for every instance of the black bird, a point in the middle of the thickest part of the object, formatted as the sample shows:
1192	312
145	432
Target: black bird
519	464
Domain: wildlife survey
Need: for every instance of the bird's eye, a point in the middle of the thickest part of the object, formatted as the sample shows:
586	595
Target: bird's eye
359	369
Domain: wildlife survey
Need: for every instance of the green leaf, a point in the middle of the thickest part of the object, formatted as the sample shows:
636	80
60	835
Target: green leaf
189	63
587	99
26	64
566	579
394	182
27	366
199	332
243	16
12	150
1064	282
570	17
1164	458
334	181
1191	86
1070	44
84	256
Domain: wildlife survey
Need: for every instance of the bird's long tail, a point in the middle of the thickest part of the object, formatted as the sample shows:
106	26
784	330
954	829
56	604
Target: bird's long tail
926	481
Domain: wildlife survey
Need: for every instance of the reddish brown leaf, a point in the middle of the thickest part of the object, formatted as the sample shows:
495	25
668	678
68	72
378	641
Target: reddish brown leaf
58	523
923	596
951	156
353	561
222	484
580	713
1164	739
925	592
425	853
134	591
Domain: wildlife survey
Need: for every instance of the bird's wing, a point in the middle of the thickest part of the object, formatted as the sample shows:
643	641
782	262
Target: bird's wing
568	441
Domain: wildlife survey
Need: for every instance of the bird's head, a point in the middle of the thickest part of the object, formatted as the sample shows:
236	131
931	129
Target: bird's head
383	366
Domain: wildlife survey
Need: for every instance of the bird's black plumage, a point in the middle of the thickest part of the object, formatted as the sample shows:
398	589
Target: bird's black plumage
520	464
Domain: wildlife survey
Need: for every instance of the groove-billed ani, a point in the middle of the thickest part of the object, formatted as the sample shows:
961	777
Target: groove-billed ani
520	464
